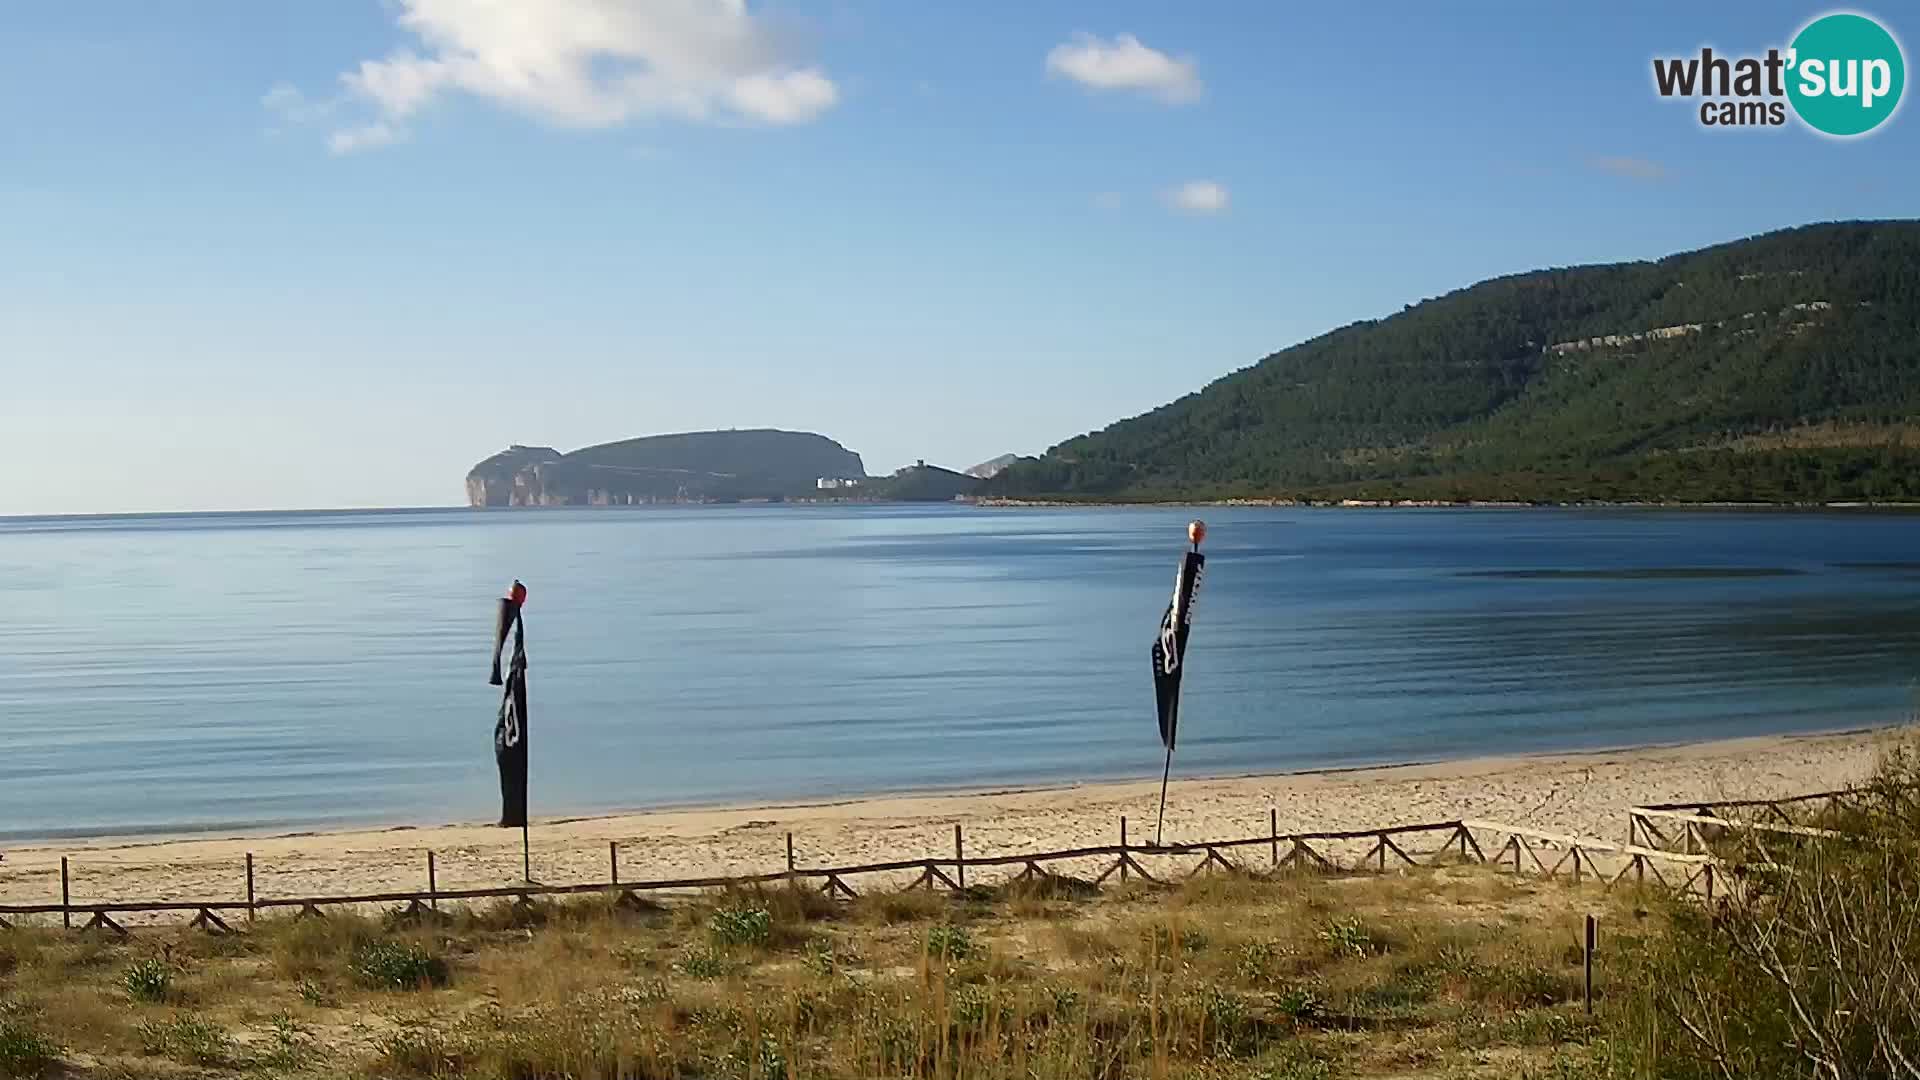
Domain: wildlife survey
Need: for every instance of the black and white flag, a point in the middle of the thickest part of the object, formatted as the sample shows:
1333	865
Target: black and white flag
1170	647
510	728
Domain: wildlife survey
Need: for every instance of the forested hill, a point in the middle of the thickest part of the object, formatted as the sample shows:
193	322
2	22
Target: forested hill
1785	367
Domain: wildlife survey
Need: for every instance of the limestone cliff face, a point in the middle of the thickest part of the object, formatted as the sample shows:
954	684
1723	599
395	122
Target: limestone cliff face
493	481
699	466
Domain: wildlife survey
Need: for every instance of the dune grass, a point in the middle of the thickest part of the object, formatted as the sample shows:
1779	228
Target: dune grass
1454	972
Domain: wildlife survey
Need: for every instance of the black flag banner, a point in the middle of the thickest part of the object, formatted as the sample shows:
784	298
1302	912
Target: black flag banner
510	729
1170	648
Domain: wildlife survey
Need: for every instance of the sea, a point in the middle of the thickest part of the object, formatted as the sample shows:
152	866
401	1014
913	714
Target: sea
279	671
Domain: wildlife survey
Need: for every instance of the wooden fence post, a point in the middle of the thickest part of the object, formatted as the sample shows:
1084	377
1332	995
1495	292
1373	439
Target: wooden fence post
1587	957
1273	835
959	858
66	897
613	861
1123	849
789	853
250	904
433	883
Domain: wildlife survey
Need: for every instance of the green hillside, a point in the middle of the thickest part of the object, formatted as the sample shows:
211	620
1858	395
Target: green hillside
1785	367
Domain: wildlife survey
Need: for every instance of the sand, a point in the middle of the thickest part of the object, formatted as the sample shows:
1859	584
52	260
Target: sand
1580	793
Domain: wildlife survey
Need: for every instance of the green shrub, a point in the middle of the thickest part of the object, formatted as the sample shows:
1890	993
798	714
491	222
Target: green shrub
741	926
950	943
148	980
1300	1002
25	1051
1347	937
1255	963
396	965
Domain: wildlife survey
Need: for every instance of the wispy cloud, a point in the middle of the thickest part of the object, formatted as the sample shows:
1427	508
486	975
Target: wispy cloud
1198	197
580	63
1633	168
365	137
291	108
1124	63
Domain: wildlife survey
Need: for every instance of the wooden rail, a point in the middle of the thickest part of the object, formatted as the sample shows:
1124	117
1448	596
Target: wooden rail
1308	851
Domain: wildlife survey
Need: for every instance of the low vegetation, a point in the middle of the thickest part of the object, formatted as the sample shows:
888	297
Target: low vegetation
1227	977
1810	970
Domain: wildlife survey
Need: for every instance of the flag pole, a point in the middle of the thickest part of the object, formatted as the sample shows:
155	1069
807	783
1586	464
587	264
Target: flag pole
1164	773
1170	654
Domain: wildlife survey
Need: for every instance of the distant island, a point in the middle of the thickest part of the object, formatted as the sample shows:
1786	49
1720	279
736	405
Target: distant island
702	466
1784	368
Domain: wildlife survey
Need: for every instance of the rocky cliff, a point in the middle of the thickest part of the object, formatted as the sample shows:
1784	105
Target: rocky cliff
698	466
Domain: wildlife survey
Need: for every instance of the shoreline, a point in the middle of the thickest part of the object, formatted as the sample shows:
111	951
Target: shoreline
998	503
1583	792
161	836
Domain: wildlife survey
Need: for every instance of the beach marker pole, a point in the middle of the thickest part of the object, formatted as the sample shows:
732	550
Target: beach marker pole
1164	774
1587	957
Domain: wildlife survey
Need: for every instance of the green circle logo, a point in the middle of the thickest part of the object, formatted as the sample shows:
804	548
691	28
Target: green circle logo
1845	74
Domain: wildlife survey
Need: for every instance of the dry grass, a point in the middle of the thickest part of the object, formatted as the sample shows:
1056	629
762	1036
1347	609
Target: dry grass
1442	972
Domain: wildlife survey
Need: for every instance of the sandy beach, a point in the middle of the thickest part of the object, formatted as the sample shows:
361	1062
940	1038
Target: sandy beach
1582	793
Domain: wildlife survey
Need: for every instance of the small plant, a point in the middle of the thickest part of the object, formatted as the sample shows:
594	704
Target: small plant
1186	939
1228	1022
969	1006
290	1045
25	1051
1062	1001
1347	937
187	1039
1255	962
701	962
396	965
314	994
949	942
741	926
1300	1002
822	959
761	1059
149	980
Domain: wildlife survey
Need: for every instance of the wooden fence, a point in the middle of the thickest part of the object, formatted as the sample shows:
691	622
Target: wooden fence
1390	848
1686	827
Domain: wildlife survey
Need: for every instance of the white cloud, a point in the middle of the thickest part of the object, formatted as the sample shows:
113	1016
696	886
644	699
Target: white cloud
1198	197
585	63
1126	64
285	101
365	137
1632	168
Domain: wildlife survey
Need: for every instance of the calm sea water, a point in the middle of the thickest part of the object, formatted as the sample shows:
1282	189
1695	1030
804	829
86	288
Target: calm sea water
275	670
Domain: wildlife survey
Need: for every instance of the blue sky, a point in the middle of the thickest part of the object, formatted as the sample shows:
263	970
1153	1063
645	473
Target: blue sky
331	252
